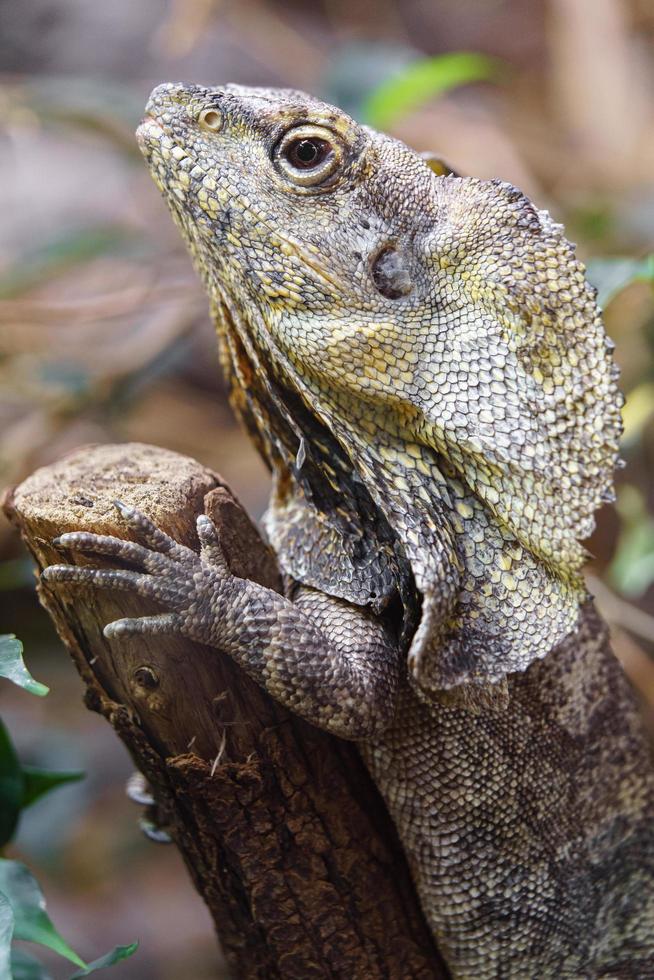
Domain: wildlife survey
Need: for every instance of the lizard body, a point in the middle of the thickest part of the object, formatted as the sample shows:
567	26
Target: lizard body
422	364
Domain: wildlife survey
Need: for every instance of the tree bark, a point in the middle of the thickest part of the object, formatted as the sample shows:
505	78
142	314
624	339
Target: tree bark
283	832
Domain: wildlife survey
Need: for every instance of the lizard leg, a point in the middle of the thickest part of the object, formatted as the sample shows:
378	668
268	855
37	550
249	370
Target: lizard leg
335	664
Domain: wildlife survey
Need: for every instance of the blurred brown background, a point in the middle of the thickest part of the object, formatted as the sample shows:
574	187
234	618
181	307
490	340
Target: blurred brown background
104	332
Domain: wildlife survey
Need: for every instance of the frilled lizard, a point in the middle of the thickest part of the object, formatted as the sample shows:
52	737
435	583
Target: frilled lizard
422	364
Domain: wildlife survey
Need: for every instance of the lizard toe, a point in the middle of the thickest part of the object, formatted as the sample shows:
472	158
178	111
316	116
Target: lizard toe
161	623
101	544
171	591
149	534
211	548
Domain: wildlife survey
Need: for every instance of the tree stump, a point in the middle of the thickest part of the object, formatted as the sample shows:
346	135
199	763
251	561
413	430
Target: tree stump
281	828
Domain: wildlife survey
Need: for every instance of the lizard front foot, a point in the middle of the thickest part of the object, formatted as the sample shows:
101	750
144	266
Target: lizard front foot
189	585
334	664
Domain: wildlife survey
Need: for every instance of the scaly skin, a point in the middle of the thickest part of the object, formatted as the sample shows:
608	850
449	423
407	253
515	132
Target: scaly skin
422	364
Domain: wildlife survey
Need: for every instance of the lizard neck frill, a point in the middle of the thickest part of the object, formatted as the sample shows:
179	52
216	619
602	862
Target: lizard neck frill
327	530
350	516
489	607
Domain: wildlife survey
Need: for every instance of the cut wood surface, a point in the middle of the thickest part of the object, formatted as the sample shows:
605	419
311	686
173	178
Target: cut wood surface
280	826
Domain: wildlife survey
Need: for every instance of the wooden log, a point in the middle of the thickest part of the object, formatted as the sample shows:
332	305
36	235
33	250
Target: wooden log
283	832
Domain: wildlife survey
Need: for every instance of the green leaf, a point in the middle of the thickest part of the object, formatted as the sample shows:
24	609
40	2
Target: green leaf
37	782
24	966
32	922
613	274
115	956
6	935
13	668
422	80
20	786
11	787
356	68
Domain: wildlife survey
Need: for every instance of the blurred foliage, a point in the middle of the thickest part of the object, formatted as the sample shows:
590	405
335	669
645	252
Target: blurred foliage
22	905
105	335
60	253
422	80
23	917
20	786
613	274
632	568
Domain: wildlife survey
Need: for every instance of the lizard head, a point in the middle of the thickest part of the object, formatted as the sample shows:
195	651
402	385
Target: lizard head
439	330
285	197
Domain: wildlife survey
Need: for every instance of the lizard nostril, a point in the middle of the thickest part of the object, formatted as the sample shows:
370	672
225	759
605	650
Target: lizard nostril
211	120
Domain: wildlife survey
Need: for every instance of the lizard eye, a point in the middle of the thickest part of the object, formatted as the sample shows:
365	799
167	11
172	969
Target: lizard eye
308	155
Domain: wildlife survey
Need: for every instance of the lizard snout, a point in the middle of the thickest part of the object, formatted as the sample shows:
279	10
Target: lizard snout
169	94
167	99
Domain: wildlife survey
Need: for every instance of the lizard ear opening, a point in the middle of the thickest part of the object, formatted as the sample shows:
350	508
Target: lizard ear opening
390	273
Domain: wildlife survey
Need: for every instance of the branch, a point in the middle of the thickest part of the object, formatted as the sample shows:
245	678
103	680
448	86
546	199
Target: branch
280	826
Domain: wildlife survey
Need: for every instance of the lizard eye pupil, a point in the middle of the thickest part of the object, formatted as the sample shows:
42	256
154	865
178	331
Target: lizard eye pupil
306	153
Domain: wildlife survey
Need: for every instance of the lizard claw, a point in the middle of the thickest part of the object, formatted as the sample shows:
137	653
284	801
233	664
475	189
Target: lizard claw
137	789
139	792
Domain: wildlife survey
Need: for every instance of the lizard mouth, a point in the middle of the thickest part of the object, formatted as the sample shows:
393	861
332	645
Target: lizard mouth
149	126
